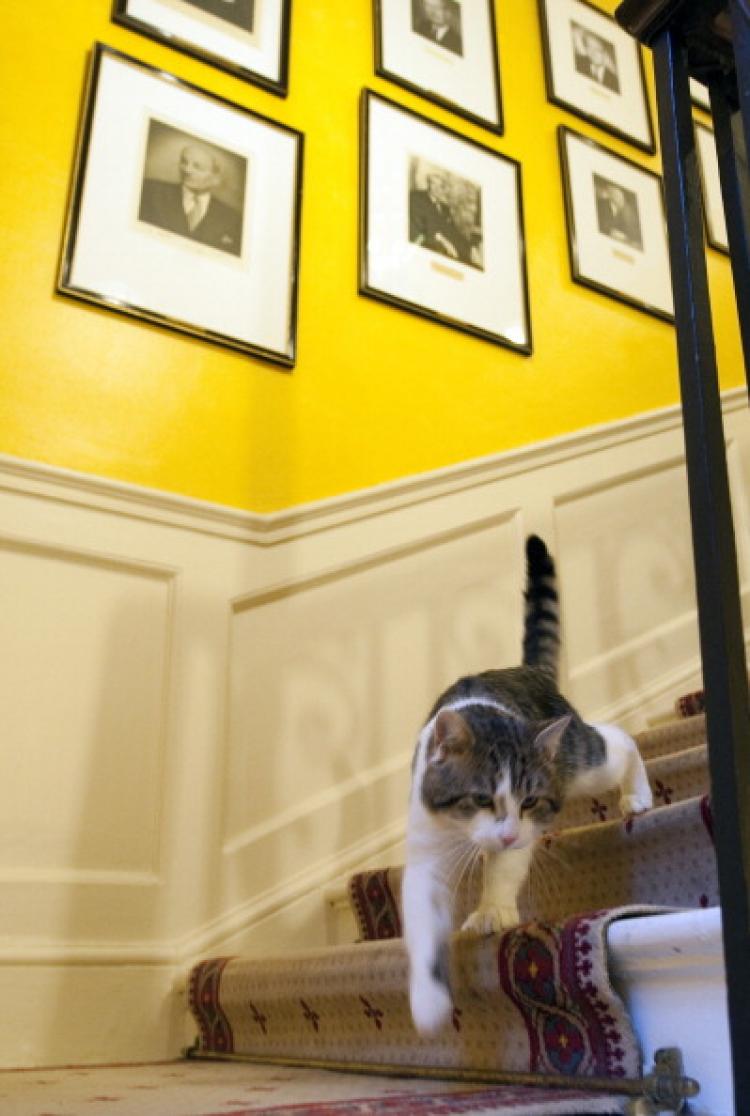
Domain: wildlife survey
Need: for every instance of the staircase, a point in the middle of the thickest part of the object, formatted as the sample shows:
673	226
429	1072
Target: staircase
618	953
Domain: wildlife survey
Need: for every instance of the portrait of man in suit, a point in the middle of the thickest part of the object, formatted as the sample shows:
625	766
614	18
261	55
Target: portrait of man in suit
440	22
594	57
193	188
617	213
238	12
445	214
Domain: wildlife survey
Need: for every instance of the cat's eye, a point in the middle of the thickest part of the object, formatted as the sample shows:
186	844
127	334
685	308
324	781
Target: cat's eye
465	806
482	801
529	802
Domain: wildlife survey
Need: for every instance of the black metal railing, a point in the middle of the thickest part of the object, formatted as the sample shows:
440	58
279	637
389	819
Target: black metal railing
710	40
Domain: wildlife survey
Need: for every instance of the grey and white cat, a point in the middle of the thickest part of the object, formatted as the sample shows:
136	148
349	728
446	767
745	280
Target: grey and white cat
498	756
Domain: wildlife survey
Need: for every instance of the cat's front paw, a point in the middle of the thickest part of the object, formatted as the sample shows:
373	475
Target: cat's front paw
431	1005
490	920
636	803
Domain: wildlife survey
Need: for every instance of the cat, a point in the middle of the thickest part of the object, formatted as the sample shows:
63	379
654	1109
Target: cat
498	756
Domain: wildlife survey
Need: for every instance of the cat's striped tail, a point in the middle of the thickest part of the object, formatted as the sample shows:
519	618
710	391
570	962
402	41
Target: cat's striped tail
541	634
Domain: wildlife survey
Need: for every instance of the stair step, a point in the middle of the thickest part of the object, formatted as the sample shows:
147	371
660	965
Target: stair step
686	732
673	776
663	857
534	999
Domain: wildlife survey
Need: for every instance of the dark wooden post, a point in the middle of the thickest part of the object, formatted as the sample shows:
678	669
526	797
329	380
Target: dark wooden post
717	585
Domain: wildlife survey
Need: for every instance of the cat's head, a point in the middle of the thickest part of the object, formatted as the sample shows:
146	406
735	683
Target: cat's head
492	776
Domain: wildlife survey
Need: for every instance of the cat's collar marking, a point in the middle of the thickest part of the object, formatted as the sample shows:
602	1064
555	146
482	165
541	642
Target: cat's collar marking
462	703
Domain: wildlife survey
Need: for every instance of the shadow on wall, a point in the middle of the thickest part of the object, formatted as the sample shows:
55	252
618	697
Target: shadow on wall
114	800
330	680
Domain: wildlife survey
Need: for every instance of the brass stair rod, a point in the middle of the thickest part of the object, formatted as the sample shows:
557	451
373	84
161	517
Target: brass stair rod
665	1084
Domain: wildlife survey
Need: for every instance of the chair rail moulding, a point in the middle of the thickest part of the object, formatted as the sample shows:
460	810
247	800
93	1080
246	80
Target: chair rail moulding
267	529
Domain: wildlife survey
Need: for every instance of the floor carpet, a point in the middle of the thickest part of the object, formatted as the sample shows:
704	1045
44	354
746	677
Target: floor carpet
231	1089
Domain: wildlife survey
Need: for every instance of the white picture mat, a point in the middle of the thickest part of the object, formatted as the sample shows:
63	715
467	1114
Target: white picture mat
627	110
468	81
492	299
643	276
122	259
710	179
259	52
699	94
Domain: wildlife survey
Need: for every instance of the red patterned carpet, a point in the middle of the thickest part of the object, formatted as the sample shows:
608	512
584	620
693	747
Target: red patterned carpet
534	1000
230	1089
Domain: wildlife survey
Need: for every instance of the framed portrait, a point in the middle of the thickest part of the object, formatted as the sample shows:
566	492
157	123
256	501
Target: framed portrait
248	38
594	69
713	206
441	225
616	222
445	50
184	210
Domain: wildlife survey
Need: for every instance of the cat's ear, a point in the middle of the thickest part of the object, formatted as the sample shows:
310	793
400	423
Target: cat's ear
450	736
550	737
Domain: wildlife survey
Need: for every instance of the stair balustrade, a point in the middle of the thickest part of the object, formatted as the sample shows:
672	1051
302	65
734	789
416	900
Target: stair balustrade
710	40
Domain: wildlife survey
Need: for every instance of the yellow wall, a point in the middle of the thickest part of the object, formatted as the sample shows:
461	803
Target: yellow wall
377	393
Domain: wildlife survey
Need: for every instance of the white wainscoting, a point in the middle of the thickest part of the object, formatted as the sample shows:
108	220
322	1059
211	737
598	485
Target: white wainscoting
208	715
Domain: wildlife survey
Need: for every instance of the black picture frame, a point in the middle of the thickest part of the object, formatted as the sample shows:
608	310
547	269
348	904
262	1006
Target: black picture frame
130	246
625	258
188	30
469	290
463	77
617	100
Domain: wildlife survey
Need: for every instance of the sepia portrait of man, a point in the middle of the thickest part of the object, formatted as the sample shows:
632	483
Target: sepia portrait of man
617	212
594	57
193	188
440	22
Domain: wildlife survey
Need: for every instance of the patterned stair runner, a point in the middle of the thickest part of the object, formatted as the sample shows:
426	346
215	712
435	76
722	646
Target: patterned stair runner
535	999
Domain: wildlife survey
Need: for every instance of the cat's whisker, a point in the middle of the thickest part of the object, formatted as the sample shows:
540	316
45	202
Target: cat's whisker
542	878
551	855
444	846
475	860
453	862
537	888
470	864
458	870
544	884
463	870
464	878
548	869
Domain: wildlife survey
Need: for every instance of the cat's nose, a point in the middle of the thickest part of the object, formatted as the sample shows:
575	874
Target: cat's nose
508	841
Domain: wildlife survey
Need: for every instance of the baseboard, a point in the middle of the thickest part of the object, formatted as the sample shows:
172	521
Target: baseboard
89	1015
